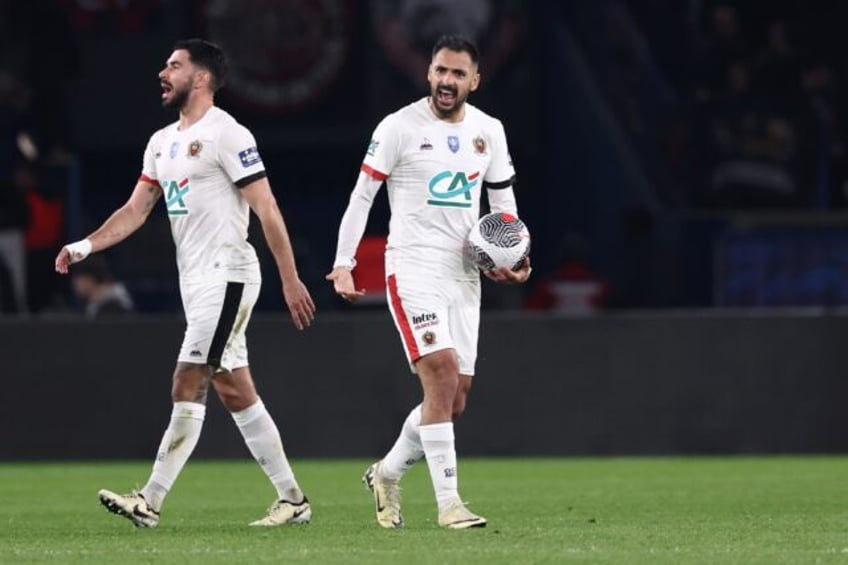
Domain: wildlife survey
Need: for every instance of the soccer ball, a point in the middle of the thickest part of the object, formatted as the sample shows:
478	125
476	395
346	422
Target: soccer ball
498	240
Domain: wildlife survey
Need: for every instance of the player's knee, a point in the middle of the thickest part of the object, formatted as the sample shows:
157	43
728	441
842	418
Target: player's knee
188	392
233	399
189	385
444	369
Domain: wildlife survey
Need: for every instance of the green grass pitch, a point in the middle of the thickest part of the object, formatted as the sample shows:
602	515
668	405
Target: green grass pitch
631	510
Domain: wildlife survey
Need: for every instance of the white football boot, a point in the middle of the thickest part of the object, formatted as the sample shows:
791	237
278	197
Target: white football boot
457	517
285	512
386	497
132	506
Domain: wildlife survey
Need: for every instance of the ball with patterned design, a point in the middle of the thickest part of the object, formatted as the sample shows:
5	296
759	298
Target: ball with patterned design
498	240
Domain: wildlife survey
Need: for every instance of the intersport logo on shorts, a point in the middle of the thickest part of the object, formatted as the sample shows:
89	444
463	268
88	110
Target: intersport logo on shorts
452	189
424	320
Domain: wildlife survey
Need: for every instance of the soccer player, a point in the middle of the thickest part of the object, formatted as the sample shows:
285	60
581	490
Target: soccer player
435	156
208	168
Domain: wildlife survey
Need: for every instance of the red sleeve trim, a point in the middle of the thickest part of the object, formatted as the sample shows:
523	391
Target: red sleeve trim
371	171
148	180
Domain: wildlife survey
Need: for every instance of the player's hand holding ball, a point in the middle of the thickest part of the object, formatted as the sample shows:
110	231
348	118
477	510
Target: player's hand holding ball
499	244
503	275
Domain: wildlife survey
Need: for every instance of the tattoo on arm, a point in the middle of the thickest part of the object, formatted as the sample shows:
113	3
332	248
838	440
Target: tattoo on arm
154	197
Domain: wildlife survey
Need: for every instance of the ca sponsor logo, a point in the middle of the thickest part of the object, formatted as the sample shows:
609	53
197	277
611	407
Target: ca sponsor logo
452	189
174	197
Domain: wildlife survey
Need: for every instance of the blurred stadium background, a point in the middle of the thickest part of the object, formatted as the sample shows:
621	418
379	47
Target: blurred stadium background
681	167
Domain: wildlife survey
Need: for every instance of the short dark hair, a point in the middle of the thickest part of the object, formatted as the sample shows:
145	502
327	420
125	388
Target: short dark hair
458	43
96	267
207	55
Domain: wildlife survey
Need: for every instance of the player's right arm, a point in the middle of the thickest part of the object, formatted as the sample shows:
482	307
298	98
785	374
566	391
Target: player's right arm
383	152
123	222
350	233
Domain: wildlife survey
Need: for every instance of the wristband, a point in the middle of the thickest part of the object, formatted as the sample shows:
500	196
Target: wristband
348	264
78	250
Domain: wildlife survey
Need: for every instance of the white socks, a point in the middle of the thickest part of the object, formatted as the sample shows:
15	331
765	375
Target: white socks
406	450
438	443
263	439
174	450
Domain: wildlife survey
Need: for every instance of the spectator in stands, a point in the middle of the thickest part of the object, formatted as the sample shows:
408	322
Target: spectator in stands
45	232
406	30
723	45
648	270
102	295
14	219
777	68
573	288
34	73
754	145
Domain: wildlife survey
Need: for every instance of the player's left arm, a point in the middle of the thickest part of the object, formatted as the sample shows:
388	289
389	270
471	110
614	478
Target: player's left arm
239	157
499	183
261	199
499	180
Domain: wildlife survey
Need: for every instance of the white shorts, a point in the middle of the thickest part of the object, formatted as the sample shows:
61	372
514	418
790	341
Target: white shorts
432	314
217	314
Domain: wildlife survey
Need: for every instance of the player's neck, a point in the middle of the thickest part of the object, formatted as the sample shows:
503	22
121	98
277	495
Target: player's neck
454	118
193	111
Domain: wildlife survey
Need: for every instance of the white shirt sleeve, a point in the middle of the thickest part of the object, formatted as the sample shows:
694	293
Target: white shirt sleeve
502	200
148	166
500	176
500	171
355	218
380	158
383	149
239	156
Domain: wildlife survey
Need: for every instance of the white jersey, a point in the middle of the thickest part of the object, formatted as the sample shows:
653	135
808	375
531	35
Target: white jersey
434	171
200	170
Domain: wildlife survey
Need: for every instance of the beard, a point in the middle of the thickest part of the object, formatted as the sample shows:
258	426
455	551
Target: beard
178	99
441	111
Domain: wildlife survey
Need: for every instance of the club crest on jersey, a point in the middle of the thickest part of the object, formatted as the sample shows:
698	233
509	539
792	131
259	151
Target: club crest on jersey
175	146
194	148
452	189
479	145
174	194
453	143
249	156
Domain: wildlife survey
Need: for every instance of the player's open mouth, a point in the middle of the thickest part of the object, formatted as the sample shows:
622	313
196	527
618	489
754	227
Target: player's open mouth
166	88
445	96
